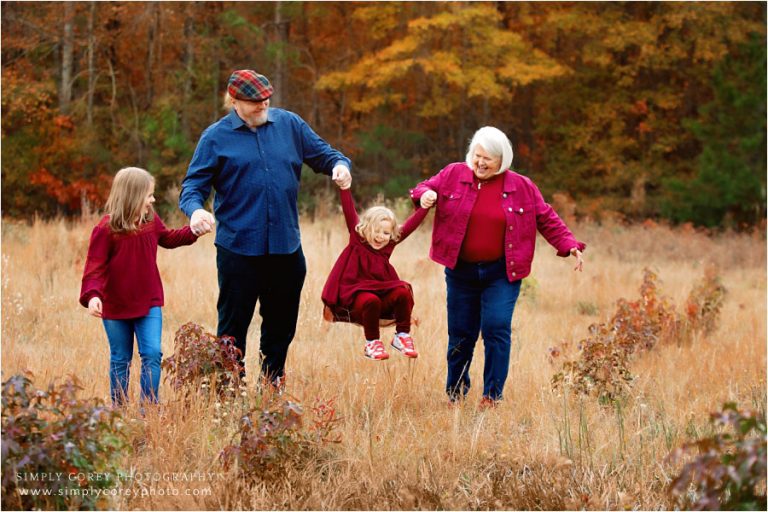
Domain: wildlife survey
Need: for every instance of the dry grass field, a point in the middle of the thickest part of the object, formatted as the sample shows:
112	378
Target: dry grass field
401	446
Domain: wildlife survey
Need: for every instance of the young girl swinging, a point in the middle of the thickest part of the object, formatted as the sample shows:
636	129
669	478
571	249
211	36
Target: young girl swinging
363	286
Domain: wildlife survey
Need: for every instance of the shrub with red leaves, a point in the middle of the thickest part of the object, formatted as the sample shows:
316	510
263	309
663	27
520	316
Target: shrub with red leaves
602	366
52	441
729	470
275	435
201	360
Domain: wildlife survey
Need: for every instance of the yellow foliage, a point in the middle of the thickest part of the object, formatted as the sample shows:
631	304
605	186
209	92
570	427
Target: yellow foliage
333	81
370	102
461	46
484	84
379	18
386	72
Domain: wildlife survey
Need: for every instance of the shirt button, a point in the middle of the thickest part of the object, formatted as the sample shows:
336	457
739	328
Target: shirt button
504	195
521	210
511	228
514	274
510	246
509	209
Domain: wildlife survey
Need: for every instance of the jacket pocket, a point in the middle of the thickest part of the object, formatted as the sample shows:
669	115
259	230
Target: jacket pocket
450	199
525	221
448	204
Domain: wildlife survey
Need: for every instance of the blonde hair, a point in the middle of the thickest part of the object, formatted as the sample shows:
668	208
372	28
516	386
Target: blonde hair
126	199
228	101
374	216
495	142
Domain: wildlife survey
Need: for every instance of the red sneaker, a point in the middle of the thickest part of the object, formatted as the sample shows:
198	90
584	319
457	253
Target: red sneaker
375	350
487	403
404	344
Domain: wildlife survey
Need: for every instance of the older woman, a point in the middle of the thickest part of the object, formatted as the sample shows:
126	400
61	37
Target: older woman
485	233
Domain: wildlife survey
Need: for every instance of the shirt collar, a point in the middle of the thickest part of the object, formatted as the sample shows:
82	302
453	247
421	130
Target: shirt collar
510	183
234	119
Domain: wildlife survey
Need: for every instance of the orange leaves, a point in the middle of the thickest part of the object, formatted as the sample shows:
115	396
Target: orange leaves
64	123
640	107
24	102
71	194
643	127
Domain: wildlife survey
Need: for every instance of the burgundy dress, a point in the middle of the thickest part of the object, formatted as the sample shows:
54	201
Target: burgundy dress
361	268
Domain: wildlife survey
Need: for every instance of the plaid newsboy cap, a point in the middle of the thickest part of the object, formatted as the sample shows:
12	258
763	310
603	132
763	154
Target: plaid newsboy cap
248	85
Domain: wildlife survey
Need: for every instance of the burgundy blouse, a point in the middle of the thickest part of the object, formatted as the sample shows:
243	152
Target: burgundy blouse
121	268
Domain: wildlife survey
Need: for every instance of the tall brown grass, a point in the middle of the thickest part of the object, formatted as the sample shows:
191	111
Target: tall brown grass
401	446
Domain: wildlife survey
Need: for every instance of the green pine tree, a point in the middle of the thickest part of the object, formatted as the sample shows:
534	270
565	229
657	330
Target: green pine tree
729	186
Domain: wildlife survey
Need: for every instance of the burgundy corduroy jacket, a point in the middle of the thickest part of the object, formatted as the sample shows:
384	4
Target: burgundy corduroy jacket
524	208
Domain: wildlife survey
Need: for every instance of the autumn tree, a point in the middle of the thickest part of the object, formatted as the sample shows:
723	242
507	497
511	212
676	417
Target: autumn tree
613	130
447	70
646	108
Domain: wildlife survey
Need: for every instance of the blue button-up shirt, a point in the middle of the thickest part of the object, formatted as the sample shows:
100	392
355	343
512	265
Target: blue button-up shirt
255	173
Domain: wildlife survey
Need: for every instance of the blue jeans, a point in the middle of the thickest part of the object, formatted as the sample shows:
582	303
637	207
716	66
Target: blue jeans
148	330
480	299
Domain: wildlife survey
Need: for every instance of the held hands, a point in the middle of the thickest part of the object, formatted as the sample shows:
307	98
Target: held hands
575	252
428	199
342	177
94	307
201	222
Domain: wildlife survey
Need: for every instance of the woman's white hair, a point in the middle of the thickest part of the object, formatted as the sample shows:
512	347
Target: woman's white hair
495	142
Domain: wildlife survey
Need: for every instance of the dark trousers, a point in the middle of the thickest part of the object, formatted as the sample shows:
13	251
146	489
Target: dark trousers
368	309
275	281
480	299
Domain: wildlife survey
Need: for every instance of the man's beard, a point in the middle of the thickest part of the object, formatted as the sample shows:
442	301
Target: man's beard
258	120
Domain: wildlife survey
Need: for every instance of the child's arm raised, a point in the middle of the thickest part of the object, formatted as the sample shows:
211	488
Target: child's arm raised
172	238
348	207
412	222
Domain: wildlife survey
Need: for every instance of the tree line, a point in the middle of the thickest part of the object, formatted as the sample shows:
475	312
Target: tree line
646	109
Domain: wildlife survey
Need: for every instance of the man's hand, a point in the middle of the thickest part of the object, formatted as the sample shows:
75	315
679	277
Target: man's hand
342	177
94	306
428	199
201	222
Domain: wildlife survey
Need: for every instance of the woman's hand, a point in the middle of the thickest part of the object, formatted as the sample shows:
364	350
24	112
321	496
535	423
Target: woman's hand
94	307
575	252
428	199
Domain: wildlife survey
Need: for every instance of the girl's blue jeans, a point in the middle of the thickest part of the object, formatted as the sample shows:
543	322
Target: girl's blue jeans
120	333
480	299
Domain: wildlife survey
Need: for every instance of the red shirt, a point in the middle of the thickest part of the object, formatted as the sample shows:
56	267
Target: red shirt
360	267
484	240
121	268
